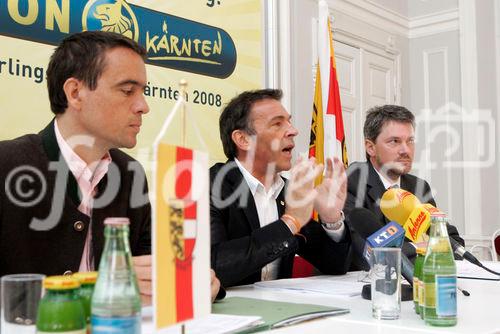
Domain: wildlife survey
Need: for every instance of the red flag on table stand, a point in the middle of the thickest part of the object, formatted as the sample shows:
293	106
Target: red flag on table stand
181	227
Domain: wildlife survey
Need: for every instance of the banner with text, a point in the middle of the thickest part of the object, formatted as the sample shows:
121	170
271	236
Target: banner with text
216	45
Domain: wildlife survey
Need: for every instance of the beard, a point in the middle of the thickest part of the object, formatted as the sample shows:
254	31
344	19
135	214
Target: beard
394	169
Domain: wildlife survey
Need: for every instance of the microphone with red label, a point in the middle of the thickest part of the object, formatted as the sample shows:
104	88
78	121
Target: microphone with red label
405	208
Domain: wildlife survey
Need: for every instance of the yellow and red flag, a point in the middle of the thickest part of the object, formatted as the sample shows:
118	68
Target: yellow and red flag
327	127
181	226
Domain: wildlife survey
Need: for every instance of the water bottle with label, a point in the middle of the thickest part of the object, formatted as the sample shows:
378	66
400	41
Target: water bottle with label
116	303
440	277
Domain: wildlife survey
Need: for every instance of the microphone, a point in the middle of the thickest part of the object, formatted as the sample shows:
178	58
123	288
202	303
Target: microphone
462	252
397	204
391	235
405	208
365	224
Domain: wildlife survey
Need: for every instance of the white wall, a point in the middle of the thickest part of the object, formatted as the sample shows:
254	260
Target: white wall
434	70
488	82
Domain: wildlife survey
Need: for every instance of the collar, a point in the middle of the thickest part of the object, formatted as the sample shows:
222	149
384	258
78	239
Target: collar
386	182
77	166
255	184
51	148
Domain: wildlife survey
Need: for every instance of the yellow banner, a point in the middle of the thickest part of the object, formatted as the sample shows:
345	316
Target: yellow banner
219	28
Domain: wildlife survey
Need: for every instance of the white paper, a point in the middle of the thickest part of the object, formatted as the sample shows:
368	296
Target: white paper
341	286
465	269
211	324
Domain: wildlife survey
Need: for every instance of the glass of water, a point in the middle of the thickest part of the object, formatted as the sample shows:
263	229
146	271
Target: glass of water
385	275
19	298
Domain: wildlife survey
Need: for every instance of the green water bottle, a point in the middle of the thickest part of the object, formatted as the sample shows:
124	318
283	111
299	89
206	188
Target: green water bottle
439	276
417	277
421	300
87	282
61	309
116	302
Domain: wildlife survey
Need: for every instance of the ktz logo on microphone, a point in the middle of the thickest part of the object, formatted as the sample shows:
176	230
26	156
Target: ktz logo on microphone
385	235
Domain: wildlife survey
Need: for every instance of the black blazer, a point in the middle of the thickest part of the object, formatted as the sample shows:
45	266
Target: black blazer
241	248
365	189
24	249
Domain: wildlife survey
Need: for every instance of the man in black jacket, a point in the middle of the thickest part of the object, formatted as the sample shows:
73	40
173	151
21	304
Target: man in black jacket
259	221
390	147
60	185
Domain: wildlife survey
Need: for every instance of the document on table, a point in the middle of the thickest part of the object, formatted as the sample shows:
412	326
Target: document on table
211	324
343	286
465	269
275	314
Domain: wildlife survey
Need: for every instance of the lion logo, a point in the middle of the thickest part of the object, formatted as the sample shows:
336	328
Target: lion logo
110	15
182	227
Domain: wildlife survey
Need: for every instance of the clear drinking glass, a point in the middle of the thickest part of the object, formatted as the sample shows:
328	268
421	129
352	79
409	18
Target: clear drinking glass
386	283
19	298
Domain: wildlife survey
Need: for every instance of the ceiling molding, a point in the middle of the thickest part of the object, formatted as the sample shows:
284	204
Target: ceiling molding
434	24
372	13
390	21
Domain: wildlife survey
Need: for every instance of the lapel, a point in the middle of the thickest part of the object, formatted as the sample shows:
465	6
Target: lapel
407	184
280	201
375	185
245	199
375	191
53	152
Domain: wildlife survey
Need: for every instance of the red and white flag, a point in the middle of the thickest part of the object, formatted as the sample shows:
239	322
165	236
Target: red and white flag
327	127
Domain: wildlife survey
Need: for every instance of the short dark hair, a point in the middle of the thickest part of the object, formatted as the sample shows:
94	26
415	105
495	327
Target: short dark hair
378	116
235	116
82	56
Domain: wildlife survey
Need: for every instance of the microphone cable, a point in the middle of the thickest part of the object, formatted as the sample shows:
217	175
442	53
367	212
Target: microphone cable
460	250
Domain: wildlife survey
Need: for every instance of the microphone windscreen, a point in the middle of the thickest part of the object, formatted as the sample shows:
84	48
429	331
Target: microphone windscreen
397	204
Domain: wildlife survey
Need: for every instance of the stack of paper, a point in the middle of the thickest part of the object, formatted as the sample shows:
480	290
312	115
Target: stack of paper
211	324
330	285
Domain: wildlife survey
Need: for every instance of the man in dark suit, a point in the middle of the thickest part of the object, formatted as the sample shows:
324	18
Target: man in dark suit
259	221
59	185
390	147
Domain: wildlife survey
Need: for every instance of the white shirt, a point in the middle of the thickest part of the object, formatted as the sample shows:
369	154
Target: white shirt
267	210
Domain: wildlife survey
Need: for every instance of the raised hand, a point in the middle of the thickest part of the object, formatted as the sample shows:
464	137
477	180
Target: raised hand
332	192
300	192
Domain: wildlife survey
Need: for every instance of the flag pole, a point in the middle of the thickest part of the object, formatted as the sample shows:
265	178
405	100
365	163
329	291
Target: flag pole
183	85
